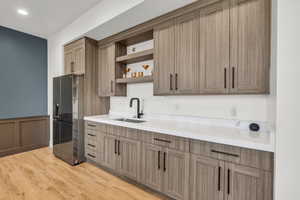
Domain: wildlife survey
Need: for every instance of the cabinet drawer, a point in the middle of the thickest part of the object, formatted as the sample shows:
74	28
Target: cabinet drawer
243	156
92	134
218	151
172	142
95	126
115	130
90	154
91	143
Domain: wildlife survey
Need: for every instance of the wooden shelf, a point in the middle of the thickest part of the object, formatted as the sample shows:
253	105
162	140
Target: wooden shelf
136	57
144	79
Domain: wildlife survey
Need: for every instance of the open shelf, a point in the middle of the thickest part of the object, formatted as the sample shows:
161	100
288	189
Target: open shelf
136	57
144	79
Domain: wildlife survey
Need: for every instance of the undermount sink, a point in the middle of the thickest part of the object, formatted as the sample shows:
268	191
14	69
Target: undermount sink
129	120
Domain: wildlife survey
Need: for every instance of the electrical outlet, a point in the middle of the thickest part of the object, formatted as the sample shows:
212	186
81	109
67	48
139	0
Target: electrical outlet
233	112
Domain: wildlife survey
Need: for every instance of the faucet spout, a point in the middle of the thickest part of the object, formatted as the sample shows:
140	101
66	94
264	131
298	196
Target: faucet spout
139	114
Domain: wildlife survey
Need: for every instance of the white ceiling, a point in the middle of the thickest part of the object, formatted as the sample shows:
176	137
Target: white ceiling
45	16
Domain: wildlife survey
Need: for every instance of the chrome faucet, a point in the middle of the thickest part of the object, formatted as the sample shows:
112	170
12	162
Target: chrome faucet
139	114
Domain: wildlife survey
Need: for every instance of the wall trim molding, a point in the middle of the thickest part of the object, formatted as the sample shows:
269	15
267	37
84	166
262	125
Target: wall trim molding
23	134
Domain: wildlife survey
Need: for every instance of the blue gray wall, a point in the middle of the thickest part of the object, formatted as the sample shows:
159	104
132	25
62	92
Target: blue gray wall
23	74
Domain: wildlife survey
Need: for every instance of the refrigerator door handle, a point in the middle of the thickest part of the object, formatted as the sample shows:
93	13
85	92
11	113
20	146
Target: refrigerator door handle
56	115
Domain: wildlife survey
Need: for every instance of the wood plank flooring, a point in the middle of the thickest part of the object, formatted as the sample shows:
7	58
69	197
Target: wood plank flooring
38	175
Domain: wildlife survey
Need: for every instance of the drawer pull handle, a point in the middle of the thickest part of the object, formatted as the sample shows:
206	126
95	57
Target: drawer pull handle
91	145
91	125
165	168
158	160
219	179
228	183
162	140
225	153
90	155
91	135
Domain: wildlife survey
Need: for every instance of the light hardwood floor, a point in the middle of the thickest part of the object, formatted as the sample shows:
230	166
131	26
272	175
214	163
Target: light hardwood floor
38	175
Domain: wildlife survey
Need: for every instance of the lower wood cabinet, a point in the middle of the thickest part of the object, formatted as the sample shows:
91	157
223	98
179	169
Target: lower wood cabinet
166	170
119	154
206	175
212	179
129	158
180	168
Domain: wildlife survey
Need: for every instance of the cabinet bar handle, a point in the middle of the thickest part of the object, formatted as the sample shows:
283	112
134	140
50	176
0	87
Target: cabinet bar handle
176	81
233	78
228	181
219	179
171	81
91	145
116	147
225	78
225	153
92	125
90	155
158	160
91	135
162	140
119	152
165	168
111	86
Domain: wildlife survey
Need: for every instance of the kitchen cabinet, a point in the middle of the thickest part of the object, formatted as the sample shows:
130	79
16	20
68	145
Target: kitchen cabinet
166	170
164	55
75	57
81	58
215	179
129	158
107	85
153	167
214	48
176	174
119	154
110	151
247	183
187	51
206	176
182	168
250	46
222	48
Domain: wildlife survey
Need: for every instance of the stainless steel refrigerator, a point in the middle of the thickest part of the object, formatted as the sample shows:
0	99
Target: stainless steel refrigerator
68	132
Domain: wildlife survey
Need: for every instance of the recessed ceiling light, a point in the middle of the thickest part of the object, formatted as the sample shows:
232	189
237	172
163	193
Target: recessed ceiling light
22	12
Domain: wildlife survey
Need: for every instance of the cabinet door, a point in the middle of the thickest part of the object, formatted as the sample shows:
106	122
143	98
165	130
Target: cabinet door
164	58
79	59
214	48
176	174
206	178
250	46
187	51
247	183
104	75
152	166
129	159
110	151
68	62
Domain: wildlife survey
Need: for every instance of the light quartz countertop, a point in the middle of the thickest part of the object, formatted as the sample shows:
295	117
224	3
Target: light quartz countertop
205	130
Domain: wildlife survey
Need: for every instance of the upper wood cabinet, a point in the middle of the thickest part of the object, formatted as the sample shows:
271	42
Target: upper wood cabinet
223	48
81	58
108	72
214	48
164	55
187	51
75	57
250	46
